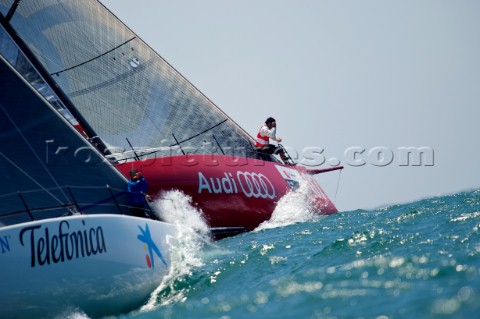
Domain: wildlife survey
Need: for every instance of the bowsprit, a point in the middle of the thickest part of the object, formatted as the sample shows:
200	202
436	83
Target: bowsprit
251	184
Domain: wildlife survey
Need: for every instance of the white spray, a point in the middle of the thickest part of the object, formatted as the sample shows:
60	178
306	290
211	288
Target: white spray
187	249
294	207
175	207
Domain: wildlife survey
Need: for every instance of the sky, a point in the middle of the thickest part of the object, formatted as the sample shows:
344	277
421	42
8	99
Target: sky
355	83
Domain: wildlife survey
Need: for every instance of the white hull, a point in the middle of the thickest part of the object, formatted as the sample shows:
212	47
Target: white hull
98	264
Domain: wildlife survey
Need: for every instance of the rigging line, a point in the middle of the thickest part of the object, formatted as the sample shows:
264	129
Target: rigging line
208	129
31	191
178	143
221	149
92	59
32	179
338	184
133	150
35	154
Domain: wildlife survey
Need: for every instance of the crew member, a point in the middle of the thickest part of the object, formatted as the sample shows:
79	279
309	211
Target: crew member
137	196
262	142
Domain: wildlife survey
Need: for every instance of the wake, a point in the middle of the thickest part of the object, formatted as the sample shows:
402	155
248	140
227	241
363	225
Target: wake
295	207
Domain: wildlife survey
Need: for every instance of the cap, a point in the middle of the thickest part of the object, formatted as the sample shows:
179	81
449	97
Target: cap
133	172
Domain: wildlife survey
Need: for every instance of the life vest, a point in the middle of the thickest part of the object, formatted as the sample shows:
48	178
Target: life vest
261	141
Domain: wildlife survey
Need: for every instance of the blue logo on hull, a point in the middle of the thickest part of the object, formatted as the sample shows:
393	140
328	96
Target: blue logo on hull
150	246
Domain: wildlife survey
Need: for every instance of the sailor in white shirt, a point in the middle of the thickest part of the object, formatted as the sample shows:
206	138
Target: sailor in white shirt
262	142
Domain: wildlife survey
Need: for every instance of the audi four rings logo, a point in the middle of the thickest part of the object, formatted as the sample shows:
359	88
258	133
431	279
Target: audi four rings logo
251	184
256	185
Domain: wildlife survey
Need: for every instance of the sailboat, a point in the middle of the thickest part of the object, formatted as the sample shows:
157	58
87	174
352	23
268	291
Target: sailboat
141	113
66	239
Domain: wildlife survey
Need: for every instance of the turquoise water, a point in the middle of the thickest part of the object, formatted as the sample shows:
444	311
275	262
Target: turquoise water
416	260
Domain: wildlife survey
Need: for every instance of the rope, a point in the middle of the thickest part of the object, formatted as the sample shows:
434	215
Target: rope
338	184
35	154
92	59
208	129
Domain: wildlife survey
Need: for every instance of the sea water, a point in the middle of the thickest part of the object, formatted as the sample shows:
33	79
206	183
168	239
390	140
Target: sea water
415	260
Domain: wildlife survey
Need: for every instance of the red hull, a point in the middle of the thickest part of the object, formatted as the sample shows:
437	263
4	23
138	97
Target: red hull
231	191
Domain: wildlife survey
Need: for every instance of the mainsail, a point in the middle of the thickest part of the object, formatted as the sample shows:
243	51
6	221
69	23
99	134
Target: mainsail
48	168
127	92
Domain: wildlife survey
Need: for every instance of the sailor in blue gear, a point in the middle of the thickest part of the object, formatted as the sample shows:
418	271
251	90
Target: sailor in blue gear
137	194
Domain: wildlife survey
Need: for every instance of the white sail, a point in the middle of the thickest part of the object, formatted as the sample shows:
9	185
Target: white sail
123	88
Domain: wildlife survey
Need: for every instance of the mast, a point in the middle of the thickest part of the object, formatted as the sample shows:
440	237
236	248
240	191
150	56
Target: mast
12	10
92	135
